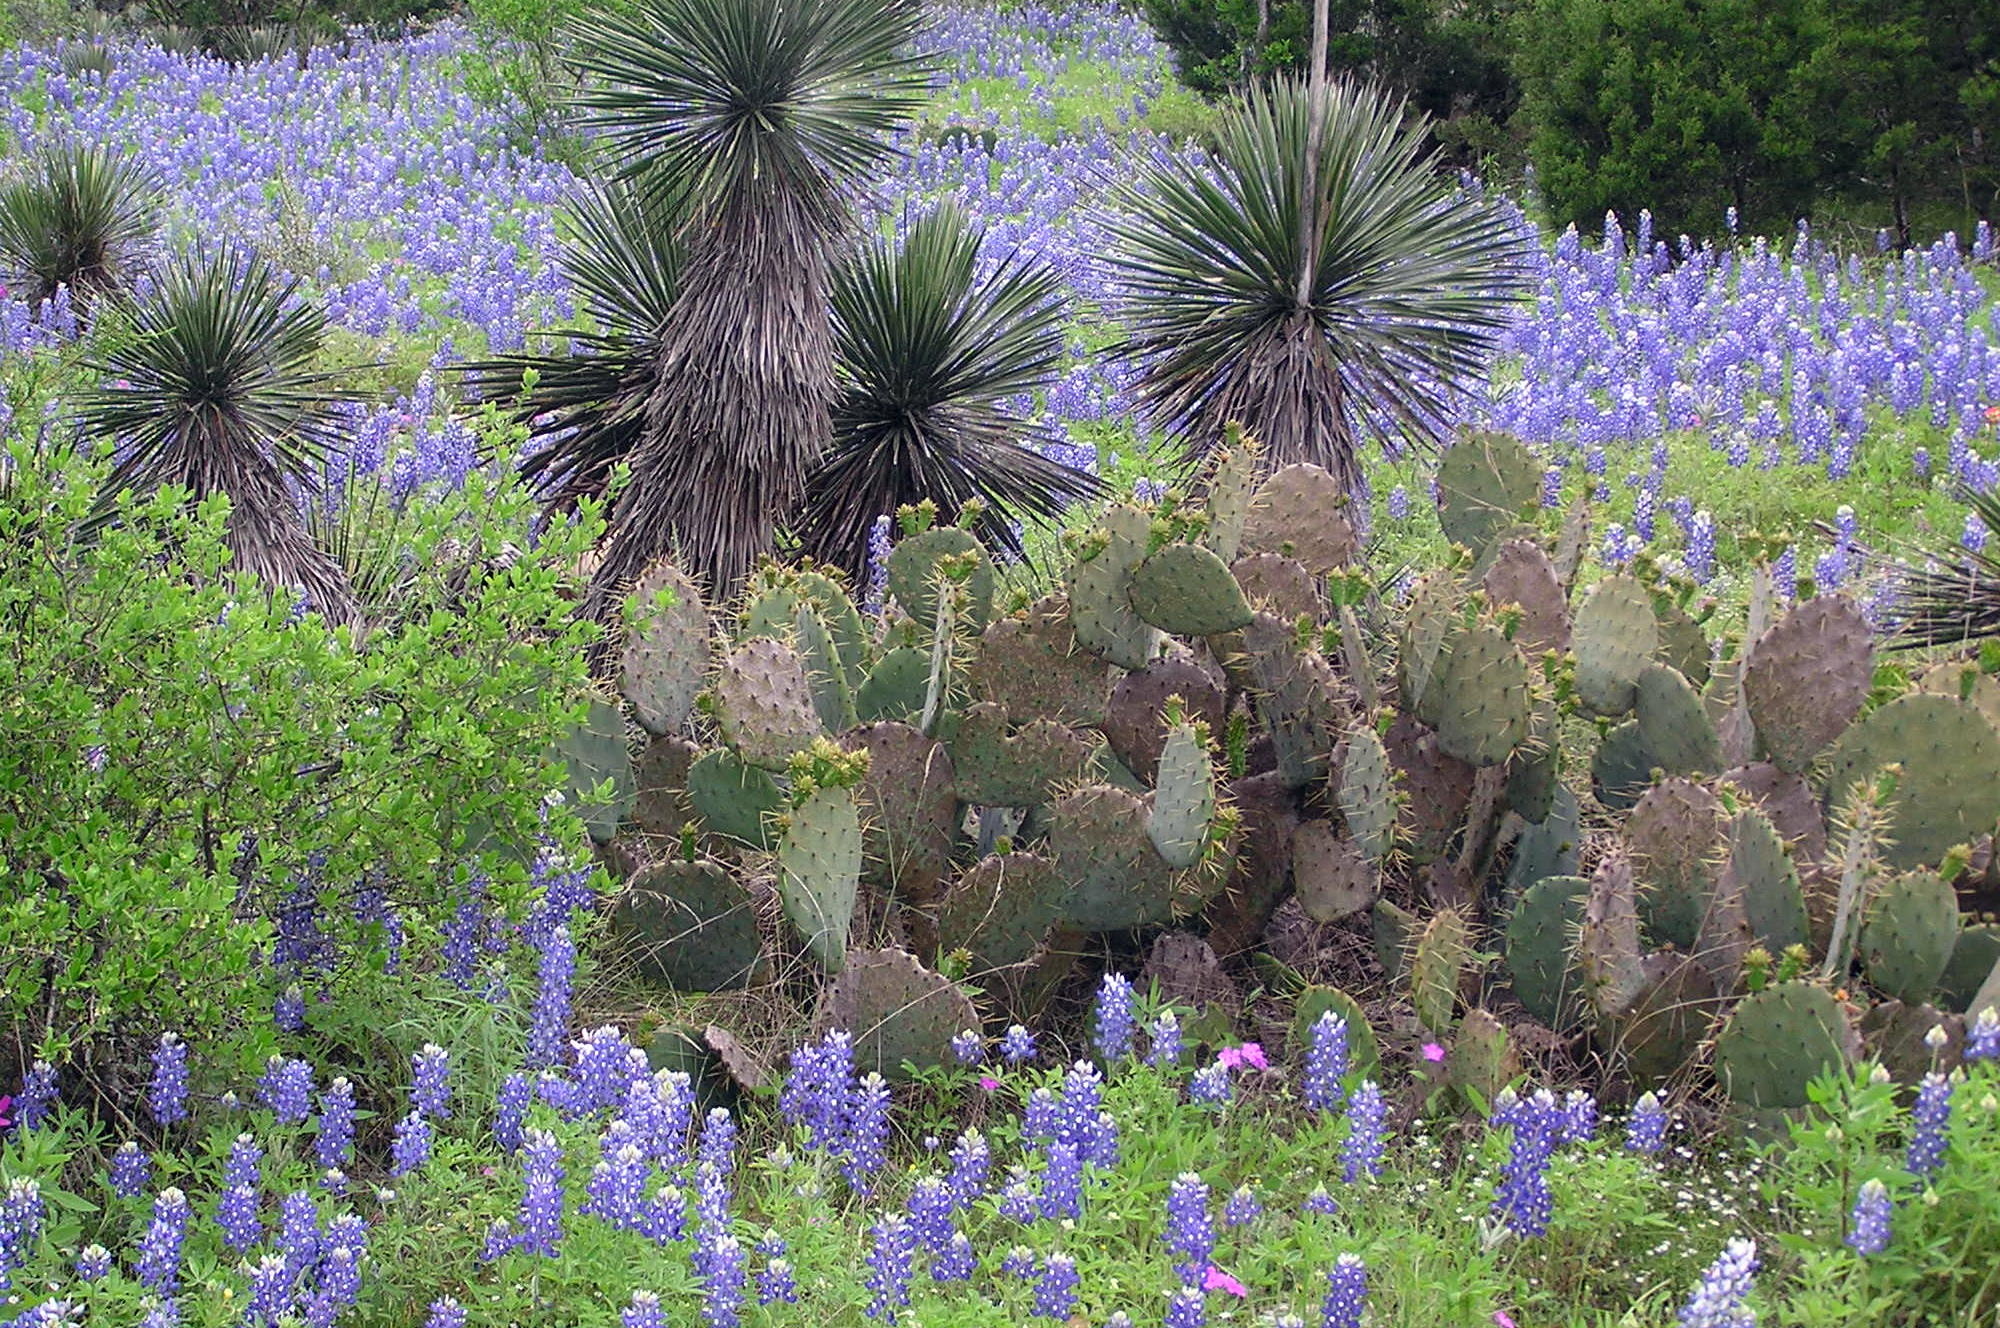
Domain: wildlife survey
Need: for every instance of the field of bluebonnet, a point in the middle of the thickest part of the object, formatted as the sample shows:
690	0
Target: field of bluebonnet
378	1051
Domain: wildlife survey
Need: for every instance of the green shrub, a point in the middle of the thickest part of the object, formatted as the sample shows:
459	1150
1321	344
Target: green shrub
178	754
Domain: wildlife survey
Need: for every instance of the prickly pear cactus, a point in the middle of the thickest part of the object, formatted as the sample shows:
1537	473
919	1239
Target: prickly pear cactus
1030	664
1908	938
660	805
1117	878
1279	586
1430	617
1184	797
1804	680
1683	645
1534	772
1482	1060
1001	908
996	769
1676	837
1486	483
1395	929
1614	636
1549	847
819	870
762	703
1333	877
1621	768
1949	790
897	1011
826	674
1541	949
1521	574
1776	1041
910	809
1366	793
688	925
666	648
1974	958
1438	959
1100	586
1608	948
1229	487
1188	591
918	562
1481	696
594	758
1677	733
1299	698
734	798
895	688
1660	1031
1301	512
1759	868
1134	720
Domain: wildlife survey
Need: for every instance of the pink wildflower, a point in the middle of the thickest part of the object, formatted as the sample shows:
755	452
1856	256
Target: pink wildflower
988	1082
1502	1319
1217	1280
1433	1052
1250	1053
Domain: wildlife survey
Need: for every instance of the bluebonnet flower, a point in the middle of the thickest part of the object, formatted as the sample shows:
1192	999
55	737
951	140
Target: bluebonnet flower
1017	1200
286	1087
92	1262
1319	1201
967	1047
1164	1041
1399	503
1982	1040
1114	1026
21	1211
617	1187
159	1263
1017	1045
245	1165
724	1278
270	1297
776	1285
39	1094
131	1170
1055	1289
1717	1301
299	1238
971	1161
605	1069
288	1011
1930	1122
1242	1207
664	1218
930	1209
163	1312
166	1096
868	1133
1523	1200
1326	1063
1062	1182
556	971
1186	1309
1190	1233
430	1074
1346	1293
891	1258
1361	1151
446	1312
1646	1128
717	1145
541	1218
510	1110
411	1147
643	1312
819	1089
1579	1117
1210	1085
1868	1224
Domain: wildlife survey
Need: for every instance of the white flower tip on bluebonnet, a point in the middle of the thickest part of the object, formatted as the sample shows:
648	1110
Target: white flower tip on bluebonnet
1878	1073
1936	1038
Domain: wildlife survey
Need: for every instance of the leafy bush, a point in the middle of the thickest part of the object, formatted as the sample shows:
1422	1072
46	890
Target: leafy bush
181	755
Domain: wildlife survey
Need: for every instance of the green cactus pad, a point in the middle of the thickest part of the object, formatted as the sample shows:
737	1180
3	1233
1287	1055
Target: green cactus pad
1683	646
1804	680
1776	1041
1911	930
1301	512
1486	482
1549	847
688	925
1790	803
1228	489
1677	733
910	808
915	565
1662	1029
1279	586
1621	768
894	688
1364	1059
1521	574
1188	591
819	871
1300	699
734	798
1333	877
1676	836
1365	792
1134	722
1430	617
826	674
1184	801
1949	792
1482	1060
1438	789
1117	878
1614	635
1534	771
1030	664
666	648
1608	948
1482	699
594	755
1438	959
1973	959
660	804
1773	904
1100	585
762	703
997	769
1395	930
1541	954
897	1011
1001	908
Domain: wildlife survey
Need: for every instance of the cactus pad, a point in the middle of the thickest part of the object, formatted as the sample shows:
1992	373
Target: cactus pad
734	798
1773	904
1678	735
1805	678
1030	664
1614	635
819	871
1608	943
1621	768
1481	697
1100	585
1299	698
1541	949
1438	788
1001	909
762	703
1949	792
1134	722
1974	957
593	755
1430	616
688	925
1438	959
1117	878
1184	800
1188	591
1776	1041
666	647
1676	836
1486	482
1333	877
1483	1059
1279	586
997	769
1790	803
1521	574
916	563
1662	1028
1908	939
1301	512
660	805
894	689
1365	792
910	809
897	1011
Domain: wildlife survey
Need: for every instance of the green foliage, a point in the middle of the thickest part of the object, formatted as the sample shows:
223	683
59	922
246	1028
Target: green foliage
179	753
80	217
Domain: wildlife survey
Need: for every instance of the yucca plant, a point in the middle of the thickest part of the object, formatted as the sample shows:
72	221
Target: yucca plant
1947	593
585	412
1315	280
78	217
931	343
753	121
210	386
